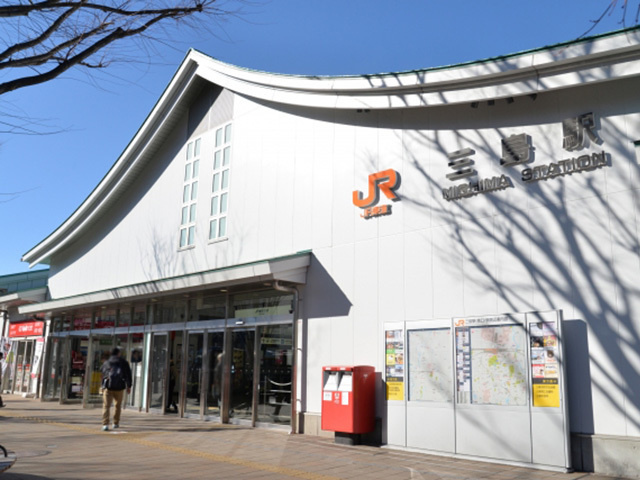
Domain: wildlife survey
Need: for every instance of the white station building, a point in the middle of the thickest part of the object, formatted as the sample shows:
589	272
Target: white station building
470	231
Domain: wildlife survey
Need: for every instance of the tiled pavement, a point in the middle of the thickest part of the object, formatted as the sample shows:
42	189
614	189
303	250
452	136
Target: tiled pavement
55	441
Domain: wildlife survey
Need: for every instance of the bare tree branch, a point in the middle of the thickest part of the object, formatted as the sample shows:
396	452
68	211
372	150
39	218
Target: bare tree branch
45	39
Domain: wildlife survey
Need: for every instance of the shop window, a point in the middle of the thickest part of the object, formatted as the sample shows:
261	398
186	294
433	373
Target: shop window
220	183
208	307
190	194
139	315
105	319
258	304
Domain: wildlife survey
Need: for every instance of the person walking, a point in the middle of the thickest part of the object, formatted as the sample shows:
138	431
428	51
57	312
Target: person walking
116	378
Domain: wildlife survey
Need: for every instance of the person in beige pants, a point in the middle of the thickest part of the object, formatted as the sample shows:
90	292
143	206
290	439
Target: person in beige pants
116	378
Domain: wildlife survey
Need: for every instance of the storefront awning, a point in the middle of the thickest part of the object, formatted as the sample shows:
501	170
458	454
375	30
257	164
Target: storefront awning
291	269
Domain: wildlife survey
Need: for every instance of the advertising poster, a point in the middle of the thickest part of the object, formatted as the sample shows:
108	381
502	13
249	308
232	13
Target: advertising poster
37	355
544	364
394	364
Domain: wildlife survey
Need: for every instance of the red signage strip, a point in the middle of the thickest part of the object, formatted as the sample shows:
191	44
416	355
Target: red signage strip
26	329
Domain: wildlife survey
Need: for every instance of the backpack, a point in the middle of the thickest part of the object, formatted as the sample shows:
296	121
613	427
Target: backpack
115	378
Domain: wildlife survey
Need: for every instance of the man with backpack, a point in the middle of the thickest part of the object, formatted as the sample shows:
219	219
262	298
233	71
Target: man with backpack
116	378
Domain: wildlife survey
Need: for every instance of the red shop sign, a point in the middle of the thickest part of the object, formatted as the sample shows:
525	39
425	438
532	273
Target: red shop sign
26	329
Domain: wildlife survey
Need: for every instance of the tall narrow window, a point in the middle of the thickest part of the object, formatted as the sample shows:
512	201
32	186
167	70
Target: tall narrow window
190	194
220	183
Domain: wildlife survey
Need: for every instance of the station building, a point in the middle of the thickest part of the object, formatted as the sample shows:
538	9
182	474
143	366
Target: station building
469	231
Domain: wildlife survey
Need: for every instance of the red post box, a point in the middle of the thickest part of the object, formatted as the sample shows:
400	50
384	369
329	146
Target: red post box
348	399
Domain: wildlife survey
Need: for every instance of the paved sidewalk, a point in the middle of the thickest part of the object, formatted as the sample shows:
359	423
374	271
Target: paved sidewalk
55	441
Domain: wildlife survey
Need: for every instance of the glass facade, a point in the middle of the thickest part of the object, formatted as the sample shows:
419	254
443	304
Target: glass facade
207	354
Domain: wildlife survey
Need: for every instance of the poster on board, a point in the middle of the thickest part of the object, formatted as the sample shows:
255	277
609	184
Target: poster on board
544	364
394	364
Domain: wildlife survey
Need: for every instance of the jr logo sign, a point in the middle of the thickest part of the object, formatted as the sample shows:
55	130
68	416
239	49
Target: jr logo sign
386	181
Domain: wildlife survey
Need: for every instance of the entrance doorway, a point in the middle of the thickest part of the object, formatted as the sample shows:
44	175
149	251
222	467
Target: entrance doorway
166	363
249	381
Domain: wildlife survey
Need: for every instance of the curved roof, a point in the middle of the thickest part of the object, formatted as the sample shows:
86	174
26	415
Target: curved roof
597	59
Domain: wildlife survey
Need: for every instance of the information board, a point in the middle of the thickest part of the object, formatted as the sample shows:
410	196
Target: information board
429	365
491	361
394	364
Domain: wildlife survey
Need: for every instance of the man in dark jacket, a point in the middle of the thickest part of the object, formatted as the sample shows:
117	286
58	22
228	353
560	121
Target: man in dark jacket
116	377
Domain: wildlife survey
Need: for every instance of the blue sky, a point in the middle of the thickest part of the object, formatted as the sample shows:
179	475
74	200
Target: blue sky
96	115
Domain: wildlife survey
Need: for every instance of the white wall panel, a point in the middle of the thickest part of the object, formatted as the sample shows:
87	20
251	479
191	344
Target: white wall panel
245	192
418	276
268	167
303	184
343	327
479	267
446	263
345	213
284	164
417	189
322	191
391	279
365	301
514	285
550	263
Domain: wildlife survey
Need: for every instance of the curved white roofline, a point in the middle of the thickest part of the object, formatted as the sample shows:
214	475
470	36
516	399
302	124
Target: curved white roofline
598	59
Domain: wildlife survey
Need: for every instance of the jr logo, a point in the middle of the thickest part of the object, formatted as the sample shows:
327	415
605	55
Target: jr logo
387	181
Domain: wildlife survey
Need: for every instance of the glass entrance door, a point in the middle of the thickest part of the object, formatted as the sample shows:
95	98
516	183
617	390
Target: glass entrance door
195	364
215	347
276	366
52	376
76	368
99	352
159	366
242	368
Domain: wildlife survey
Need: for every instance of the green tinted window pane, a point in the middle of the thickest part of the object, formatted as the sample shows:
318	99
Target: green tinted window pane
192	235
185	193
223	226
216	159
196	152
187	171
192	213
227	156
196	168
227	134
214	205
194	190
216	182
223	203
185	211
189	151
183	237
225	179
218	137
213	229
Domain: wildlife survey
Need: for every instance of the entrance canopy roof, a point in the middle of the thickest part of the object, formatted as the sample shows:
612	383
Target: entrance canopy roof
291	269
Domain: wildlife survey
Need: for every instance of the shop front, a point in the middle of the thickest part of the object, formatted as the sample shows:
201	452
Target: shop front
223	354
24	357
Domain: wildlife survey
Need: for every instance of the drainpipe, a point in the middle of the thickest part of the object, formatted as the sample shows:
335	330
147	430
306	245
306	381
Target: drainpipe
294	379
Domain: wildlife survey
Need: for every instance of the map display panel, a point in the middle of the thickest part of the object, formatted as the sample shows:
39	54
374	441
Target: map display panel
499	365
429	365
